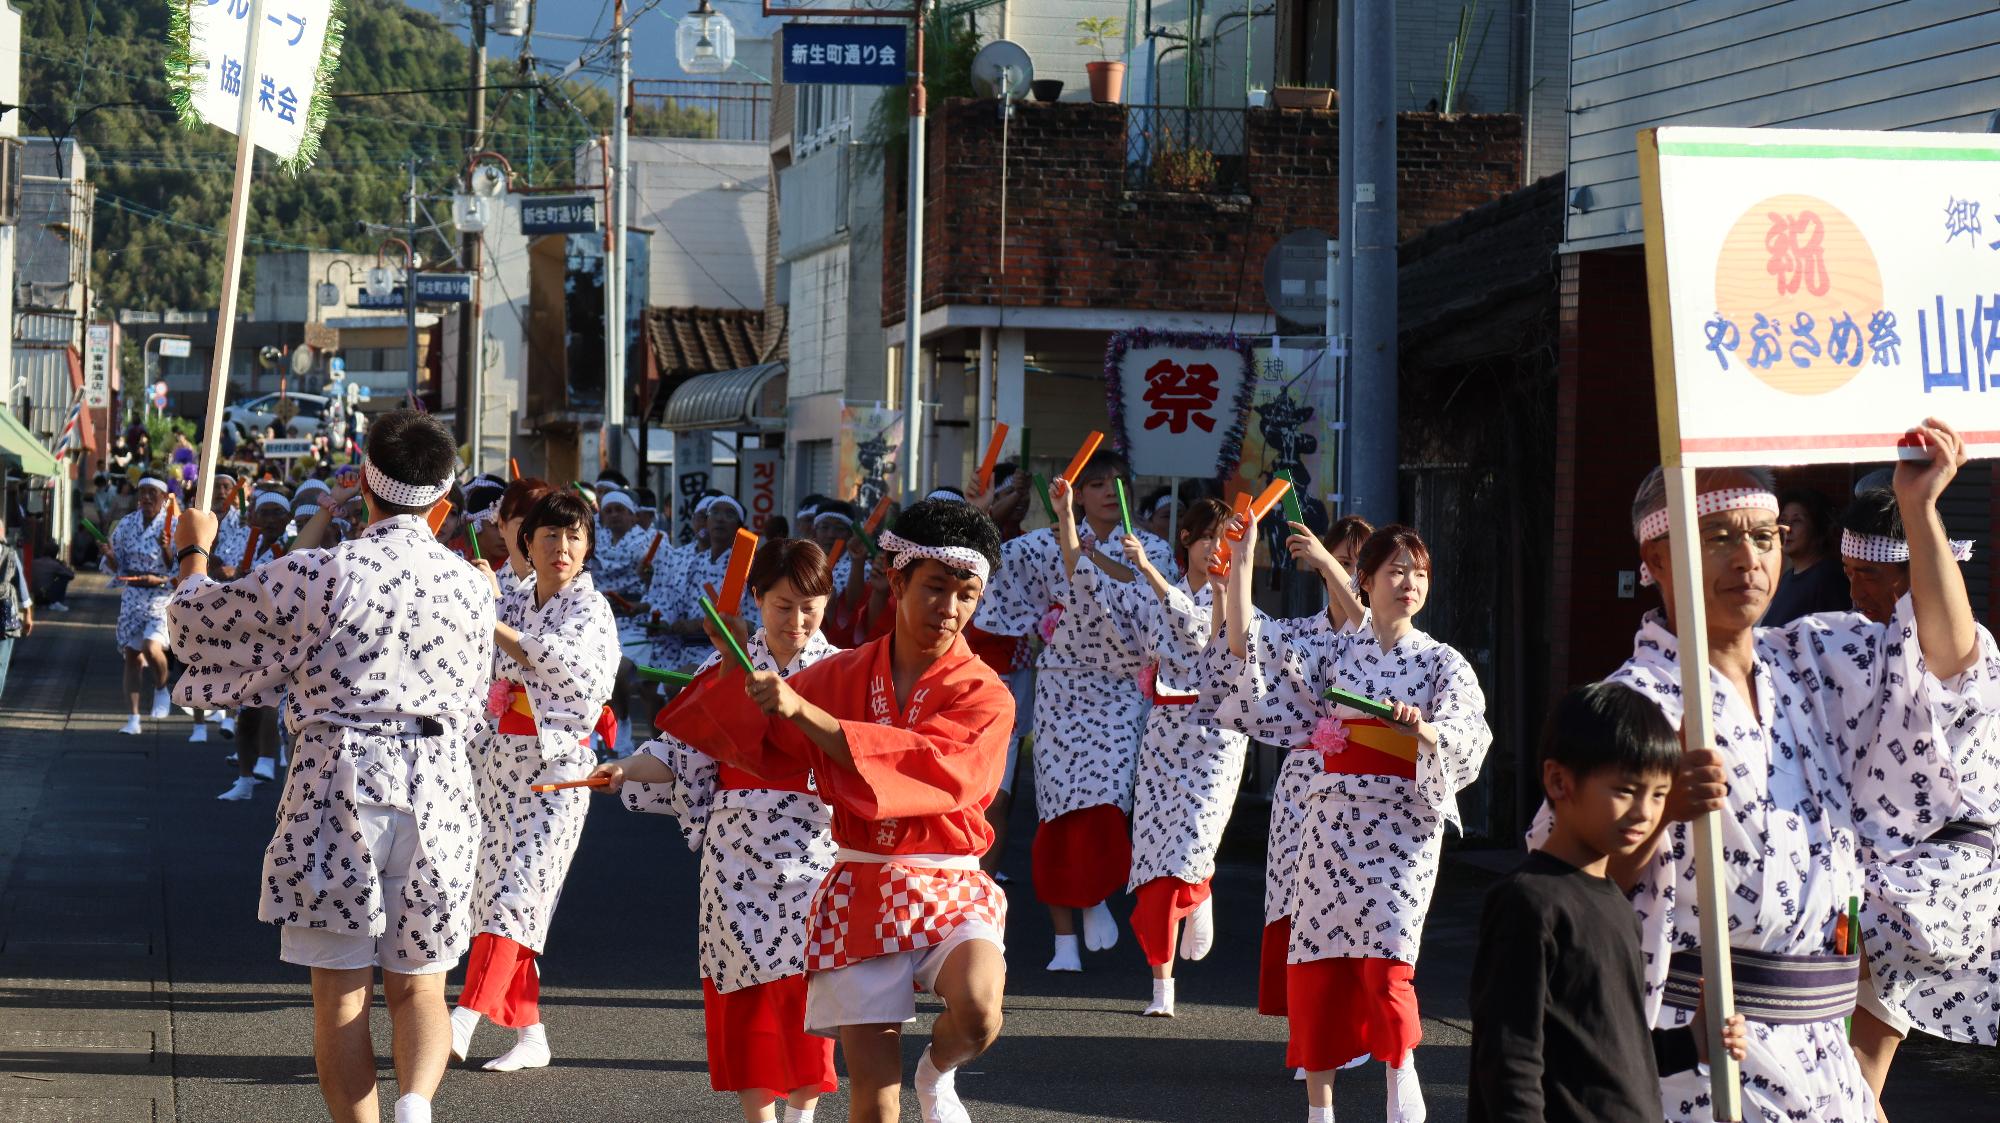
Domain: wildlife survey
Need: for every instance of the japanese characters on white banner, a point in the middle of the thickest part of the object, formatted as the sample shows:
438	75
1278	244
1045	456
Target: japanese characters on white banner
757	485
299	44
97	351
1179	401
694	460
1827	290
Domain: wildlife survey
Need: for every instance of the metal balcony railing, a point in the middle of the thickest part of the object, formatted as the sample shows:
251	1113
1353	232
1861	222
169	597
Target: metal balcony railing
1190	150
693	108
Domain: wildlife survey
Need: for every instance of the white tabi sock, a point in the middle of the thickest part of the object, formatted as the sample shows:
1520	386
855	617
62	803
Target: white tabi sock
227	727
413	1108
1066	958
531	1050
464	1020
937	1093
131	728
243	788
1198	934
799	1114
1319	1115
265	767
1100	928
199	734
162	705
1163	999
1406	1097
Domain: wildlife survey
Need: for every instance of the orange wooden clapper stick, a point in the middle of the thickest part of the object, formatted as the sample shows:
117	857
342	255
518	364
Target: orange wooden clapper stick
436	515
871	525
586	782
738	574
1260	507
1218	562
992	459
1082	456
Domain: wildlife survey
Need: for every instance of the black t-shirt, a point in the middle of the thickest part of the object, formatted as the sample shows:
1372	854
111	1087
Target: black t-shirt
1559	1030
1820	587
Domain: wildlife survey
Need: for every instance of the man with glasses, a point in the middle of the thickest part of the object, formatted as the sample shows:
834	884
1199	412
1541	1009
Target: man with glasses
1837	737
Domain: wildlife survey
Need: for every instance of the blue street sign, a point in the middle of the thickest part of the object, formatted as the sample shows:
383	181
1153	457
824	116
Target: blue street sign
558	214
444	288
365	299
846	54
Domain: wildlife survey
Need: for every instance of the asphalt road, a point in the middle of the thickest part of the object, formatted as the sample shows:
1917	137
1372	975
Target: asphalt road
136	984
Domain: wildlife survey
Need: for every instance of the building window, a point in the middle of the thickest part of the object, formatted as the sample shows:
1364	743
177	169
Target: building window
825	114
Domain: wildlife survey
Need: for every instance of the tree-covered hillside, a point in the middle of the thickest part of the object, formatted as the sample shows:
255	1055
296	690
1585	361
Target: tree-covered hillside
163	190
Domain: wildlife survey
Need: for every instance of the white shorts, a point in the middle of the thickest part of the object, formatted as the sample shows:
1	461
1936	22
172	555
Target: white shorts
392	839
1892	1016
883	990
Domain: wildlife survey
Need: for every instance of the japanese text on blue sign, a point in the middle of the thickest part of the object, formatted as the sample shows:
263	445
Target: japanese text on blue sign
559	214
846	54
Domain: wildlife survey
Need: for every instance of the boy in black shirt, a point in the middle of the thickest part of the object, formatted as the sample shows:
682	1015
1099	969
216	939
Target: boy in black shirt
1559	1026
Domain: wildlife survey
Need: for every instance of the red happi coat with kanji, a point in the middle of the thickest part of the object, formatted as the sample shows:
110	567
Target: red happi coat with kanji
905	816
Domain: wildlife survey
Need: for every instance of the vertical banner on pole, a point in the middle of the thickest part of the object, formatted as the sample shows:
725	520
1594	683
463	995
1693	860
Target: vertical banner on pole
693	463
266	75
757	475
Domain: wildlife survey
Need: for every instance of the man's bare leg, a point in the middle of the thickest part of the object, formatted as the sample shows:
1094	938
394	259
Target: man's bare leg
874	1072
343	1053
421	1027
971	984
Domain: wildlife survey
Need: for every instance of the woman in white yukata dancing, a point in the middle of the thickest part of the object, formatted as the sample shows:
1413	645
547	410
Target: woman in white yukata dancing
556	654
139	559
1360	904
766	845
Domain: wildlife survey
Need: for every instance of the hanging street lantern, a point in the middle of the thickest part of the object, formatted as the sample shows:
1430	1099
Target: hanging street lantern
705	42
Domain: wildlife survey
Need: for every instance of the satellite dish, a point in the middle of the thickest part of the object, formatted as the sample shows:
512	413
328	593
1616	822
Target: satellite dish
1002	69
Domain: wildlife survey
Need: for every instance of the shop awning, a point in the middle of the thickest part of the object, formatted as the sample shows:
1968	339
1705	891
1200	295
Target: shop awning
20	448
748	398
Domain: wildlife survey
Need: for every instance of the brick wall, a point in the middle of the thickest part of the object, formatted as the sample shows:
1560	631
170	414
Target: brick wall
1078	239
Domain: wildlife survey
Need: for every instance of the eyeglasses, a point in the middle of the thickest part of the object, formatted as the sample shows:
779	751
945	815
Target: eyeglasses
1762	540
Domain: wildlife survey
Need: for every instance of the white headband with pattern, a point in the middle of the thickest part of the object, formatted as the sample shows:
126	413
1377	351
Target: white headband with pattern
946	493
1655	524
902	552
717	500
400	493
272	499
1882	548
305	512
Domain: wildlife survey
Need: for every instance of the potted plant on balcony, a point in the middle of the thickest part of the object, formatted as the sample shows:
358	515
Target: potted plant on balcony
1107	76
1182	166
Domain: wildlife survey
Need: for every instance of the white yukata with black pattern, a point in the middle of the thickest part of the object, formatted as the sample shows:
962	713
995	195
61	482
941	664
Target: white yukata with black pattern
1930	917
529	837
358	643
136	551
764	852
1842	751
231	535
1370	846
663	599
1090	714
1284	837
1188	769
615	568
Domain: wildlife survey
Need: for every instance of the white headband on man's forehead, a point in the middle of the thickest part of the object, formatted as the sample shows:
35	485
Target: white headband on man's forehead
272	499
619	499
311	485
400	493
1656	523
902	552
148	481
305	512
839	515
717	501
1882	548
946	493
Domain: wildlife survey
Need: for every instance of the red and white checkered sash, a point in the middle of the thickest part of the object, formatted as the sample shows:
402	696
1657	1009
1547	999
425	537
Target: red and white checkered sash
880	904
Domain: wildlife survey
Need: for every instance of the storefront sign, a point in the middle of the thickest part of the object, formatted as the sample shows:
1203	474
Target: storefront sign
757	477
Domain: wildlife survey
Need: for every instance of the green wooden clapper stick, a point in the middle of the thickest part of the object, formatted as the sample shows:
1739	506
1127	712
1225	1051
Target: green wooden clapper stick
1125	509
1294	513
1367	706
670	678
736	649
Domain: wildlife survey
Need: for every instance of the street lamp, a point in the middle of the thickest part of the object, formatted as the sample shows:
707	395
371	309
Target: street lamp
705	42
487	179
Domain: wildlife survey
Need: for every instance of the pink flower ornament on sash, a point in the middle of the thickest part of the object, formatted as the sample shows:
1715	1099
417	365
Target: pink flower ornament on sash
1330	738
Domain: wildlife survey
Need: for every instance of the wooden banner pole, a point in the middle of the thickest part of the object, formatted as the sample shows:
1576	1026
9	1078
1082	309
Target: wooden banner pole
1691	632
232	259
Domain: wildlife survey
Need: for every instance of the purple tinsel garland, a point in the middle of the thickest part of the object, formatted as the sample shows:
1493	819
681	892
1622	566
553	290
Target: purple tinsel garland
1114	388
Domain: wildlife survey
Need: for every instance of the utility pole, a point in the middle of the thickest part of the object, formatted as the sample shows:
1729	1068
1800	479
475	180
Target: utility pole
913	277
1370	117
410	277
614	257
471	345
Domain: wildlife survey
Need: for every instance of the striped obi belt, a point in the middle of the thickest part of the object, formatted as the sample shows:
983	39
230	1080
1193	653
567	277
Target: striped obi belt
1365	746
507	704
1780	990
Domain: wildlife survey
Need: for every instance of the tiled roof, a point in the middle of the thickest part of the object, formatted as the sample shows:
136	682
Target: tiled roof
689	341
1457	275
